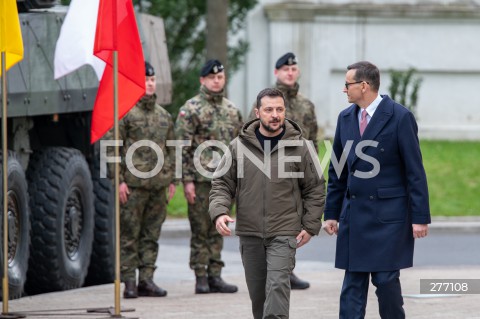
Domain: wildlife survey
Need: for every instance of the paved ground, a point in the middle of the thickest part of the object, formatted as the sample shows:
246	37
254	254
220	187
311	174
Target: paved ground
320	301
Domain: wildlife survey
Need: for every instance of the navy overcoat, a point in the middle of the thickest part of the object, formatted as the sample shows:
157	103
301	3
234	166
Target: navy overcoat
379	191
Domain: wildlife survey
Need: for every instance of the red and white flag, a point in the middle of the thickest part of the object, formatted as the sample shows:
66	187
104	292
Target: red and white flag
117	31
75	44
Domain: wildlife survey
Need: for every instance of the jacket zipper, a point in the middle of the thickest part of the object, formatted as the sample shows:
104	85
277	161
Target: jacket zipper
264	210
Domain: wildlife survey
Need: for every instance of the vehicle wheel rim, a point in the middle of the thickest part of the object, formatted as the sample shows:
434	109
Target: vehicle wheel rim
73	222
13	225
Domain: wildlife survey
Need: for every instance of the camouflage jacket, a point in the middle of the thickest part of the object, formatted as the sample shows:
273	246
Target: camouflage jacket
146	121
207	116
300	110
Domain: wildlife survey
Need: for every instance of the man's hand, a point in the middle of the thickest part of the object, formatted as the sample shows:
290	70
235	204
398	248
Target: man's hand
171	191
222	225
303	238
420	230
331	226
123	191
189	190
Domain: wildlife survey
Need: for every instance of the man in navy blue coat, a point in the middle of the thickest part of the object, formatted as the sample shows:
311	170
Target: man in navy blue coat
377	199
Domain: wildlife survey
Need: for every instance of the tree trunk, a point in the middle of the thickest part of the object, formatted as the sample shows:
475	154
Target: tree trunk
217	27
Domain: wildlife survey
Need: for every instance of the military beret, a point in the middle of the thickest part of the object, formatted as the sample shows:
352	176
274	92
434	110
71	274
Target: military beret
149	70
286	59
211	66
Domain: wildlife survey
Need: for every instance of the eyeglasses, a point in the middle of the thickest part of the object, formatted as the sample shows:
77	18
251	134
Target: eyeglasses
348	84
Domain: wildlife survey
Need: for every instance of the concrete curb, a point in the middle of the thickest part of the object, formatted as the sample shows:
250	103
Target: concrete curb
180	227
465	224
176	228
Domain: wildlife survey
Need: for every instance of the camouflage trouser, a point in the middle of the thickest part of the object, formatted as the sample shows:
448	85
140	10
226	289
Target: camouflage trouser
141	219
206	243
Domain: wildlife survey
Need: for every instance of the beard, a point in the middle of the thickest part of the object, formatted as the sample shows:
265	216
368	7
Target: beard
268	128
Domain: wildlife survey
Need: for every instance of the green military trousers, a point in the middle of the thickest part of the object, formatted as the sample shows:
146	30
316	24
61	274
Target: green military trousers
268	263
205	243
141	220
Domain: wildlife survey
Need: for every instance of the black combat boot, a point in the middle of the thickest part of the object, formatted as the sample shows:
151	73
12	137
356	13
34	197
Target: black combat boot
297	283
201	287
217	284
147	288
130	289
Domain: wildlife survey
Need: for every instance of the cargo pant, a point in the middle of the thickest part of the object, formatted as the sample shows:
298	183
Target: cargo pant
141	219
268	263
205	243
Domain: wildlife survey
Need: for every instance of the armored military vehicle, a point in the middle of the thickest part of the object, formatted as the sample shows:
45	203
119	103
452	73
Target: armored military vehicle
60	212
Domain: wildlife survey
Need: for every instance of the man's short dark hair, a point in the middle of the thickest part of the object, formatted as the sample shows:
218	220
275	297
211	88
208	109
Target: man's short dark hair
270	92
367	72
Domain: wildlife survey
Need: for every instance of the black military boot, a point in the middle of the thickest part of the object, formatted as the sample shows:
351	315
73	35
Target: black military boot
147	288
217	284
297	283
201	287
130	289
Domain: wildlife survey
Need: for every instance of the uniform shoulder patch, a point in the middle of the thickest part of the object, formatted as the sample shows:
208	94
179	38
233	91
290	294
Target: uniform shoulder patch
193	102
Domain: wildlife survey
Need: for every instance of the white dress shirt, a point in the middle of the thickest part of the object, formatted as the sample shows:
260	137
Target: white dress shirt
370	109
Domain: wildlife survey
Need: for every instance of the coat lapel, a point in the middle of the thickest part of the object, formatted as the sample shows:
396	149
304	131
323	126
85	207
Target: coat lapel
381	116
352	131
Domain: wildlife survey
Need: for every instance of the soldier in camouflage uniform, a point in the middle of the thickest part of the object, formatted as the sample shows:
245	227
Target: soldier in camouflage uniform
208	116
299	109
142	190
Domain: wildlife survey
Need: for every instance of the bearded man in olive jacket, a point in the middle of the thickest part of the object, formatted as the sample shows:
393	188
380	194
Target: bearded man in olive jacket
279	207
299	109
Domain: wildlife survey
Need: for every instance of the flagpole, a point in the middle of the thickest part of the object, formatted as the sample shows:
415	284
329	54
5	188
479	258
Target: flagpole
5	185
117	165
117	180
3	32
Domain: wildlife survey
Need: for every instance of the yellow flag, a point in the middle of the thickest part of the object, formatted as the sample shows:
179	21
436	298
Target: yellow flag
10	34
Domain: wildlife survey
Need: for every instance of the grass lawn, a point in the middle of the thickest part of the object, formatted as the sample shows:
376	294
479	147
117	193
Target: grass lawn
453	173
177	207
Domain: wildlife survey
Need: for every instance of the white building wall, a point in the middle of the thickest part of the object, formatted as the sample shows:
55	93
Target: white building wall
438	38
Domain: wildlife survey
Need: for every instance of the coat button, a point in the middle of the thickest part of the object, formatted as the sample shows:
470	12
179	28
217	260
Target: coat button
382	150
371	197
353	196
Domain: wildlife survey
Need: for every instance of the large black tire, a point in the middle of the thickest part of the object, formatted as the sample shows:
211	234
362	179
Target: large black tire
62	220
102	262
18	227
